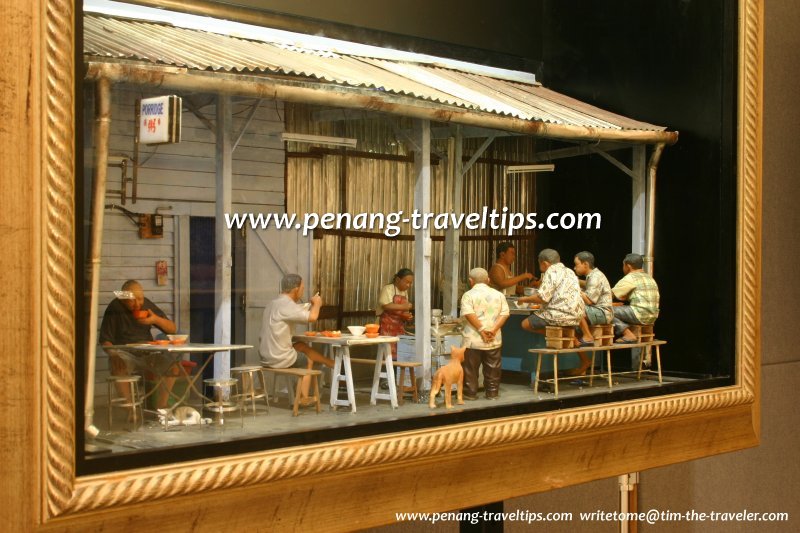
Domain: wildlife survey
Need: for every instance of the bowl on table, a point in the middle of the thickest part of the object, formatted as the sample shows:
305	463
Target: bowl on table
372	335
178	339
357	331
436	313
372	328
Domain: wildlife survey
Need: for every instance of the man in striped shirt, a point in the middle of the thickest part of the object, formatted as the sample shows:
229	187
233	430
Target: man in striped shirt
639	290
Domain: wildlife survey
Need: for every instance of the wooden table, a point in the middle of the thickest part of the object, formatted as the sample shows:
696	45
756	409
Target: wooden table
342	369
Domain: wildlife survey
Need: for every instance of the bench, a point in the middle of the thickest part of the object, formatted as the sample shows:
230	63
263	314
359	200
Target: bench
555	352
298	374
406	368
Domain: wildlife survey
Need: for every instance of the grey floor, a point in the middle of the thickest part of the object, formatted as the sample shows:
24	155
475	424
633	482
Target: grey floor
123	437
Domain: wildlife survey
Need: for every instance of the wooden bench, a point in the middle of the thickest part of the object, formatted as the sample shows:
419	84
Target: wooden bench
298	374
555	352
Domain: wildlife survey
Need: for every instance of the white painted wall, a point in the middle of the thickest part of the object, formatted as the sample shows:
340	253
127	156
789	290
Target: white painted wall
182	177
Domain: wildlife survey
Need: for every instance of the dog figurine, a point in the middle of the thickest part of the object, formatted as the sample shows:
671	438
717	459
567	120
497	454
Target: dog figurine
182	416
446	376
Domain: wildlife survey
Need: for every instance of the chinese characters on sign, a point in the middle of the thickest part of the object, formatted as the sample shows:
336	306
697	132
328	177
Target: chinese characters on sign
160	120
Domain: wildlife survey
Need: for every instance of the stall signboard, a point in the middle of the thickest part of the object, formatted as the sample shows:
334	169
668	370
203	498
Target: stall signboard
160	120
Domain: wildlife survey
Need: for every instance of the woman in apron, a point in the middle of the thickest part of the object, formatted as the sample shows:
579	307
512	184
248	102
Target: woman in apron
394	309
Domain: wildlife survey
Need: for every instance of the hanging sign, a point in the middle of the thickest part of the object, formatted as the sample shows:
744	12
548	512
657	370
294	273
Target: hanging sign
160	120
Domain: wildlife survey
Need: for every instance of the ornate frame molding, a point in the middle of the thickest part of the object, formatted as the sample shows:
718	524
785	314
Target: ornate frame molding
64	495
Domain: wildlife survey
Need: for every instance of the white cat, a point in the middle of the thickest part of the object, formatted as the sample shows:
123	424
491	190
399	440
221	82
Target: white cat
182	416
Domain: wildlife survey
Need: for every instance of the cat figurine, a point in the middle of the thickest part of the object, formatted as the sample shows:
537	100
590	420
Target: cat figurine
182	416
448	375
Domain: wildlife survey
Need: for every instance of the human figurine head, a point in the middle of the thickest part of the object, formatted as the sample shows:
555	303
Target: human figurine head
292	285
506	253
548	257
632	262
403	279
584	263
478	275
135	289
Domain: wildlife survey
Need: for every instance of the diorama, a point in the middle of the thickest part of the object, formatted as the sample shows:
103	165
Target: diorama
211	349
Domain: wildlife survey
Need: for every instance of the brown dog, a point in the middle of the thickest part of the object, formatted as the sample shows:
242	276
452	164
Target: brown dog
447	375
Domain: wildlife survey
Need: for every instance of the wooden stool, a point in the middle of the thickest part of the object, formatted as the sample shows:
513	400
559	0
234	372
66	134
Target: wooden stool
114	400
402	388
603	334
251	393
558	337
298	374
220	405
644	333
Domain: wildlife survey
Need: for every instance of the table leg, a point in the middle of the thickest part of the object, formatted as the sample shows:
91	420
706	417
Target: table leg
376	376
351	391
591	369
555	372
538	371
387	353
337	368
658	360
608	368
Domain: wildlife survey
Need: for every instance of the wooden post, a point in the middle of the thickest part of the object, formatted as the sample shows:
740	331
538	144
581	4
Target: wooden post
222	279
102	134
452	245
422	248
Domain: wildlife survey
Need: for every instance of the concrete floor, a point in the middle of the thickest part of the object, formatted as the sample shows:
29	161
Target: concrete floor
123	438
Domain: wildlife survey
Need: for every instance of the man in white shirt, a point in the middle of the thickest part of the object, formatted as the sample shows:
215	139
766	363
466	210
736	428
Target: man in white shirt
559	294
280	317
485	310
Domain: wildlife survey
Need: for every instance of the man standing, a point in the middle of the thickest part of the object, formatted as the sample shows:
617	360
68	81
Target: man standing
559	294
280	317
485	310
639	289
500	273
127	320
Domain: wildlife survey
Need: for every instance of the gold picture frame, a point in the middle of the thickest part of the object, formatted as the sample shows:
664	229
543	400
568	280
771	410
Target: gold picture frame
366	479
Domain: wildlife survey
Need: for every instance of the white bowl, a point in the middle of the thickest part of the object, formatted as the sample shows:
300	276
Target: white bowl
356	331
436	313
530	291
178	338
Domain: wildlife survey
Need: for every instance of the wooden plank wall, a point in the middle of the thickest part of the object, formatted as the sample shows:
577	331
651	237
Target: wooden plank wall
181	177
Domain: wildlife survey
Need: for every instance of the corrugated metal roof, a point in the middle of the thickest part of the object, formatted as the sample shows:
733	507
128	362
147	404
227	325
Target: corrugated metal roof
164	44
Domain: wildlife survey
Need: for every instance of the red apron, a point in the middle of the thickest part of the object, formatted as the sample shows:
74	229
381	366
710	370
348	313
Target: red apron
392	323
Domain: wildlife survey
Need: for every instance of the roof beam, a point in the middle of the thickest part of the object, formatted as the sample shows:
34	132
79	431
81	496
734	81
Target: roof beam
314	93
582	149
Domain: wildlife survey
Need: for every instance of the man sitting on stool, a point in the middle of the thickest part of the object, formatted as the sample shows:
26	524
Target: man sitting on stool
127	320
559	294
485	310
639	289
597	298
280	316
